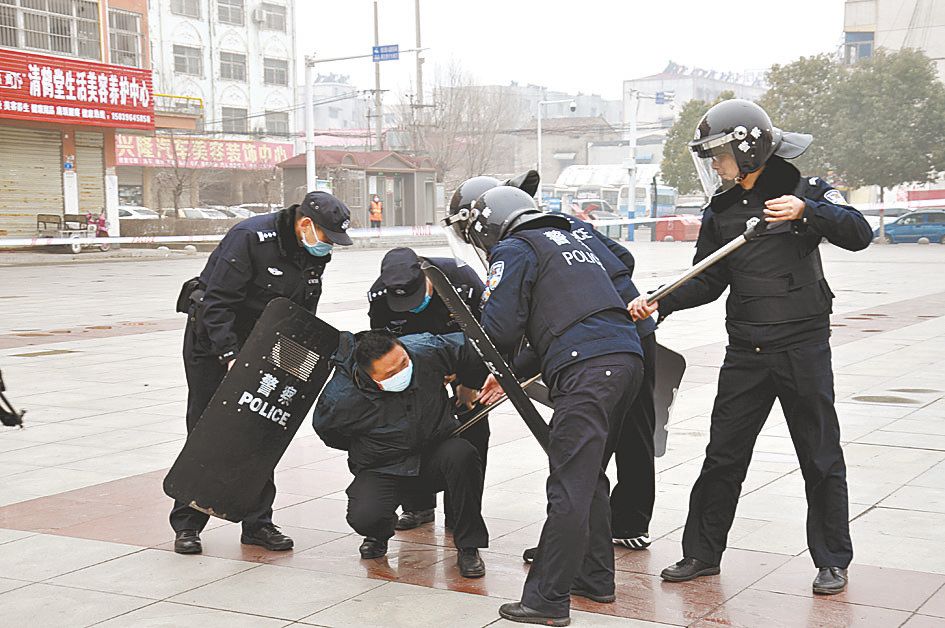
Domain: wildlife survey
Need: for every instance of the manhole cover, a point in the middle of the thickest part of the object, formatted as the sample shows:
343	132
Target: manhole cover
884	399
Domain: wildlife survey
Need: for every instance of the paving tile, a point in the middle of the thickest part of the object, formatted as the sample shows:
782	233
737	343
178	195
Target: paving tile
394	605
62	607
267	590
168	574
753	608
935	605
311	482
43	556
7	535
923	621
317	514
145	527
871	586
223	541
172	615
8	584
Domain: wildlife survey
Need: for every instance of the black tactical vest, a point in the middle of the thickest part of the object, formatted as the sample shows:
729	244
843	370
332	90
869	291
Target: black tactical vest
572	285
775	278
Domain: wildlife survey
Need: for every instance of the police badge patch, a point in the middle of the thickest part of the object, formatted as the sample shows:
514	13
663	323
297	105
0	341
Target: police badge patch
835	197
495	275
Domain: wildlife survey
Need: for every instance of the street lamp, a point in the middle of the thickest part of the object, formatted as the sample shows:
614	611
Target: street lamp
572	105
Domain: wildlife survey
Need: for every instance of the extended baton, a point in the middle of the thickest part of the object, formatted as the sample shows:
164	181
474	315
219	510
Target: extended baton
484	411
753	228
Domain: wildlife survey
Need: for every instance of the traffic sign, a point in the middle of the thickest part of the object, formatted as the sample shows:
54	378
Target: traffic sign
385	53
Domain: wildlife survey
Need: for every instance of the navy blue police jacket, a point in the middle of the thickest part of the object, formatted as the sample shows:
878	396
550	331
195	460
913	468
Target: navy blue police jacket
546	285
435	318
618	262
258	260
778	297
388	431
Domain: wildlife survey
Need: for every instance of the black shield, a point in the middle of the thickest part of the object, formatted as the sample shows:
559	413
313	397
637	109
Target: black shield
255	412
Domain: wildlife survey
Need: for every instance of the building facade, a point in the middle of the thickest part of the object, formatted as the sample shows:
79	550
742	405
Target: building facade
894	25
72	73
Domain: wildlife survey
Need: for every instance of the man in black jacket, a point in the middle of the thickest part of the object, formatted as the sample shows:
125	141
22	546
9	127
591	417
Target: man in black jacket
778	323
282	254
387	406
403	301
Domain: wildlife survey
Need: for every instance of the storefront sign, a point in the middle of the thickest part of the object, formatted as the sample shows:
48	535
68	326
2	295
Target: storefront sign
194	152
74	91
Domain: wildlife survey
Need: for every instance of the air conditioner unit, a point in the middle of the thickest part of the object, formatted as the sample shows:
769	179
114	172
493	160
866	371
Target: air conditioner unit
259	15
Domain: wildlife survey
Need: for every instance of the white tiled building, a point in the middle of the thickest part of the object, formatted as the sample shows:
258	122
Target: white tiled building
238	56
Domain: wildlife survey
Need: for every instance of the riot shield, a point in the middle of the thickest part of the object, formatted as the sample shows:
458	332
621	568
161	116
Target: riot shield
254	413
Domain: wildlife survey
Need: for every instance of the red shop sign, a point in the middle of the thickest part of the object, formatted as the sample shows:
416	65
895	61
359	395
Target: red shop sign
74	91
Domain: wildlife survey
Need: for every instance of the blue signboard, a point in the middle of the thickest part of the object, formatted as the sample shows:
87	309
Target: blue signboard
554	204
385	53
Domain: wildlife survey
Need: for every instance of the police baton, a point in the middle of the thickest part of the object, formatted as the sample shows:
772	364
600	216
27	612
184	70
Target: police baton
753	228
484	411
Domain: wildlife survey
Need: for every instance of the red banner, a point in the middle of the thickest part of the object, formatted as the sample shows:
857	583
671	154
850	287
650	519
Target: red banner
194	152
74	91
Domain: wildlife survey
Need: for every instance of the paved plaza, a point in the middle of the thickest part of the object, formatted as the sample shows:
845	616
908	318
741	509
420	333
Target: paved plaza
93	351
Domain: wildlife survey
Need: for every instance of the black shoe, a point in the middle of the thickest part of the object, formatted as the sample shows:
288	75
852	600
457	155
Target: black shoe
267	536
830	581
413	518
529	555
470	563
688	569
516	611
372	548
600	599
188	542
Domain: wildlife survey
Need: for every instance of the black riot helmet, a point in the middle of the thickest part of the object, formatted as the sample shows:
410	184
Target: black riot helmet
471	189
736	138
501	211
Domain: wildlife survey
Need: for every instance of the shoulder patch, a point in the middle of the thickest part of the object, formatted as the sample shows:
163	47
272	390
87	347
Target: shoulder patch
835	197
495	275
265	235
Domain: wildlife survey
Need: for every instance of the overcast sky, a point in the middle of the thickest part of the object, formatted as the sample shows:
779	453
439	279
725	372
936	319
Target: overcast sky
587	46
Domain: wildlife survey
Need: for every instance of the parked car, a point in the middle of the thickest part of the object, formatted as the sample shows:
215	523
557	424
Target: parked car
261	208
926	223
215	214
186	212
135	212
597	209
236	212
889	214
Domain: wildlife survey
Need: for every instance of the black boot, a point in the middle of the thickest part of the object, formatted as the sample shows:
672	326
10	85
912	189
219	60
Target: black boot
188	542
688	569
830	581
470	563
372	548
268	537
516	611
411	519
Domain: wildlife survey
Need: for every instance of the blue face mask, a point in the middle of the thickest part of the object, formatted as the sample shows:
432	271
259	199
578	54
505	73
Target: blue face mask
319	249
398	381
422	306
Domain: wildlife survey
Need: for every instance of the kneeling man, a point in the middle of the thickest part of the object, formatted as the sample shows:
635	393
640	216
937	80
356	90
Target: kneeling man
387	406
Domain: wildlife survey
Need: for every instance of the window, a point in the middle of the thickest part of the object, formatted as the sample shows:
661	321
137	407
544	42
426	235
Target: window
232	66
190	8
63	27
856	46
277	122
188	60
937	218
230	11
124	38
334	112
275	72
234	120
273	16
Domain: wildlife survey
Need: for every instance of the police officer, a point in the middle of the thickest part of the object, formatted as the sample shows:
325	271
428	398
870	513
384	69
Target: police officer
402	300
546	285
282	254
387	407
778	322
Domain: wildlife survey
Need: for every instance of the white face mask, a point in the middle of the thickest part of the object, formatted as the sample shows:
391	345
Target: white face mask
398	381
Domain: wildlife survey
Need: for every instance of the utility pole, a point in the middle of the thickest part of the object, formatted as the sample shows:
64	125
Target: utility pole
311	181
419	63
378	111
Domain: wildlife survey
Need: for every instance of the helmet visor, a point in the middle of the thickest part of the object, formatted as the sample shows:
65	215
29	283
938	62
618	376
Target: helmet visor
466	253
717	168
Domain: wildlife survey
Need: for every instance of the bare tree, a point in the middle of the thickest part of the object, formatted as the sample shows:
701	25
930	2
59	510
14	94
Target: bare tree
461	131
178	177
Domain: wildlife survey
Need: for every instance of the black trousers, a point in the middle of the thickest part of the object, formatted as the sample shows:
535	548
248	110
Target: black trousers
478	435
632	498
802	380
575	548
204	374
451	465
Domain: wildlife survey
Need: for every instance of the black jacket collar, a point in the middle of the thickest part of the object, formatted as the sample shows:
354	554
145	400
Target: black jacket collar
777	179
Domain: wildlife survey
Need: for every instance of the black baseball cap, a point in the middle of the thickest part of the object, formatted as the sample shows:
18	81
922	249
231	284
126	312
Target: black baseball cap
405	282
328	212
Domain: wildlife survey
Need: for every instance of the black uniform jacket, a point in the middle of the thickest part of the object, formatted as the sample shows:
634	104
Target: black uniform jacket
258	260
387	431
778	296
435	318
